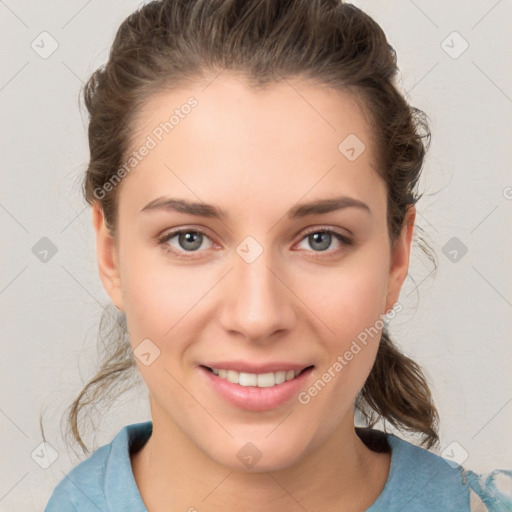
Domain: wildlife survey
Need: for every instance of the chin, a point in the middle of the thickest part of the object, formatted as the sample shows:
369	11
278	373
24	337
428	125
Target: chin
260	455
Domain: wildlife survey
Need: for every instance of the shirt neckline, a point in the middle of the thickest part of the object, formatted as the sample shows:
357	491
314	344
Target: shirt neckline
132	438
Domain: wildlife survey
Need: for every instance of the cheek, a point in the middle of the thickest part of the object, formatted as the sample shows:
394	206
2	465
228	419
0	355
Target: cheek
168	303
353	311
155	295
352	307
352	299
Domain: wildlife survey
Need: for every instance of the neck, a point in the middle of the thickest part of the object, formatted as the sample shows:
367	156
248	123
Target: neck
341	474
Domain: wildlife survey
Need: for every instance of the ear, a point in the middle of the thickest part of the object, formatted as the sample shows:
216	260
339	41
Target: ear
399	265
107	257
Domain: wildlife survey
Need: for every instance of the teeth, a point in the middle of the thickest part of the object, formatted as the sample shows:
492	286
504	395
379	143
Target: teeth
261	380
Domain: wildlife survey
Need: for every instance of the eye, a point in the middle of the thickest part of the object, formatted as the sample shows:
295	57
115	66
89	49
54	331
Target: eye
321	239
191	240
187	240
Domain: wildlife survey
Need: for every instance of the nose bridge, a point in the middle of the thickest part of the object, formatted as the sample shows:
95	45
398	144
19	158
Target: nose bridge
258	303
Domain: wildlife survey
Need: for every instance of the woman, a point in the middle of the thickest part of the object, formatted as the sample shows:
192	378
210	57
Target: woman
252	180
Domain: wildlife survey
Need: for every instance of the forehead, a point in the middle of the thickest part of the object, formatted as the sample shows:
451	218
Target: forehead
278	143
283	110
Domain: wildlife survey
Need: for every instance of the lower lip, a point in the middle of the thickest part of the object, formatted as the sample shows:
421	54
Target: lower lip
253	398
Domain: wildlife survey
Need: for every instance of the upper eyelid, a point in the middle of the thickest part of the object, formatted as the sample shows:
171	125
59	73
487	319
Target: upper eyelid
328	229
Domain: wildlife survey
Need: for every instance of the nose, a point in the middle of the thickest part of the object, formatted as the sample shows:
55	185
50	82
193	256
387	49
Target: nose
258	303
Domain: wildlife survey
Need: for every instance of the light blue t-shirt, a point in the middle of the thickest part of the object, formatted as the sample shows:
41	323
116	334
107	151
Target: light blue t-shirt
418	480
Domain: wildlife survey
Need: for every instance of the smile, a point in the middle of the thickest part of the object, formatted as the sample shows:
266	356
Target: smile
261	380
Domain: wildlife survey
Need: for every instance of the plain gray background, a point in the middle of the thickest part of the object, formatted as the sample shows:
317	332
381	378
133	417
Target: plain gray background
456	323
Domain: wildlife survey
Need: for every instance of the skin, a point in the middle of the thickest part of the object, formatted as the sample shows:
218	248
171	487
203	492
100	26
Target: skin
254	154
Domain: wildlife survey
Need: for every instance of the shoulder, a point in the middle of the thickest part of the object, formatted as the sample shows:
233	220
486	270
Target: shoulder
421	481
83	485
97	482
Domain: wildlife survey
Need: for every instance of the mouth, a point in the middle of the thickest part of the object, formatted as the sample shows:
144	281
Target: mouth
256	392
260	380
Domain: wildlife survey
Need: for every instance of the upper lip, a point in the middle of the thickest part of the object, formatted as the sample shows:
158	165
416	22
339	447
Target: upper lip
247	367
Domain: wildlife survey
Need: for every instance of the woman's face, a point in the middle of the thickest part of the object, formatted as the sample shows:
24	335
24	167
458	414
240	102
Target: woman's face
264	286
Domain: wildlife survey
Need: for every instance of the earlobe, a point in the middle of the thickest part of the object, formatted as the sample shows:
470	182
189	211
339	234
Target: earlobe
107	258
399	265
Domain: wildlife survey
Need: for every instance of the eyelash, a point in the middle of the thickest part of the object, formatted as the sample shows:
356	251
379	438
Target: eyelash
162	241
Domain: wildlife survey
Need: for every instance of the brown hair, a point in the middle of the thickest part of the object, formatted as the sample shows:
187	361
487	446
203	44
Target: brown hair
168	43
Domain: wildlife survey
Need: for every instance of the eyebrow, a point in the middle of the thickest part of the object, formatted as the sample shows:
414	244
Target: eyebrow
319	206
